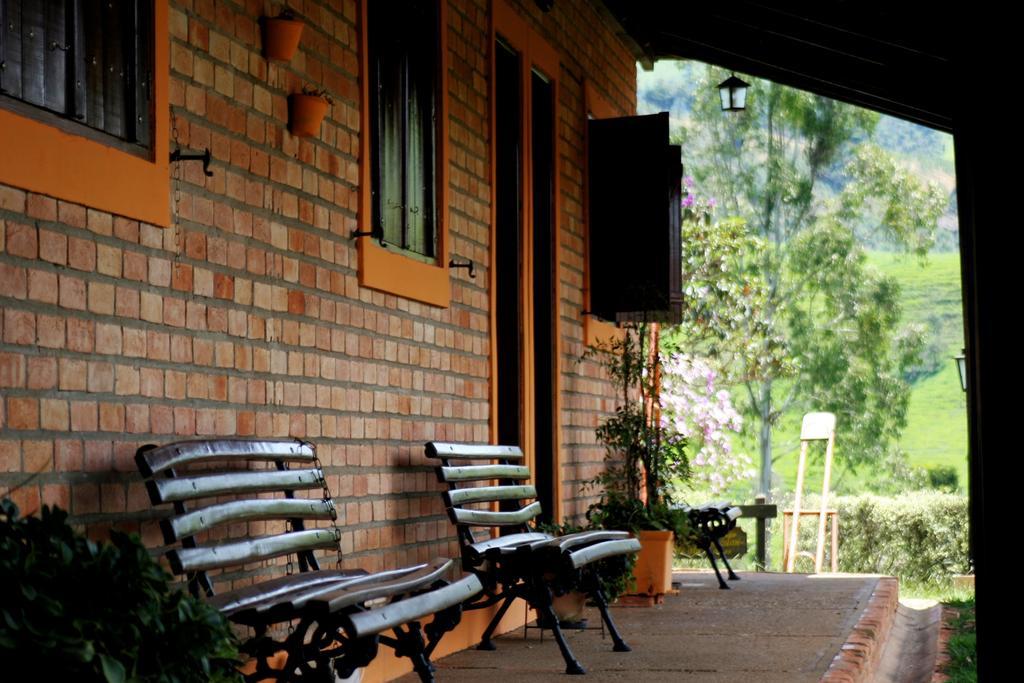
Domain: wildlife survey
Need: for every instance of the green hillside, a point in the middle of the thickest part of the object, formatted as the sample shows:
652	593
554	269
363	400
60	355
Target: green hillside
936	432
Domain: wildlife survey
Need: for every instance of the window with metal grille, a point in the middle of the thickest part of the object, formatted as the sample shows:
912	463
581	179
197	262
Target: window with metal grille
403	58
86	61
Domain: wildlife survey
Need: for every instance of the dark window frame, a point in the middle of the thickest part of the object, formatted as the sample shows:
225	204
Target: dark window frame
405	48
120	72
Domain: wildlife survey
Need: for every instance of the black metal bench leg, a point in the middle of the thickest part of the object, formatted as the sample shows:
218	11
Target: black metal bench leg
547	611
721	553
409	643
602	606
714	565
485	640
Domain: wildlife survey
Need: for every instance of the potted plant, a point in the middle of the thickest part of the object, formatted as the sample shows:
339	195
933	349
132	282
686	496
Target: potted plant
75	609
306	111
281	35
644	457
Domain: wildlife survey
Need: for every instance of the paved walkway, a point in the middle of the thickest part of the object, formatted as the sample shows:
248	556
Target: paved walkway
771	628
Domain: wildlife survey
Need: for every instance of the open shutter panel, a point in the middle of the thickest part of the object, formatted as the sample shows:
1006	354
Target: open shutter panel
10	47
634	227
113	28
55	56
140	85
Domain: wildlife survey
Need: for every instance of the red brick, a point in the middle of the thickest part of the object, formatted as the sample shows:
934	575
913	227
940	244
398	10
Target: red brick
161	419
42	372
22	240
42	207
19	327
53	247
108	260
100	377
50	331
81	335
12	199
73	374
84	416
54	414
81	254
99	222
136	266
42	286
71	214
12	370
22	412
68	455
108	339
101	298
72	292
111	417
13	281
10	456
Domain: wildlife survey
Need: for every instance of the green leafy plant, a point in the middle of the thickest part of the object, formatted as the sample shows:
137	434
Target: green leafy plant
644	455
100	611
313	91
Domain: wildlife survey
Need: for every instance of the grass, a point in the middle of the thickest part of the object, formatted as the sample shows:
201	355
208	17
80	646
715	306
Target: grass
936	431
963	643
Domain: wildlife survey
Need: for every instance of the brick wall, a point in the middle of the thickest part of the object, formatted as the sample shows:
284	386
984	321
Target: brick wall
246	317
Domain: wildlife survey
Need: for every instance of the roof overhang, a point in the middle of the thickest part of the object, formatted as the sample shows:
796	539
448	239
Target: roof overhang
893	57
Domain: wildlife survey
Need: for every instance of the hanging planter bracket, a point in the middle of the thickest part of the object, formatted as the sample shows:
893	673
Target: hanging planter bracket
205	156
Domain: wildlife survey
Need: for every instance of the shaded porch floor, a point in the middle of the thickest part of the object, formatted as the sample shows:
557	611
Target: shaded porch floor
769	628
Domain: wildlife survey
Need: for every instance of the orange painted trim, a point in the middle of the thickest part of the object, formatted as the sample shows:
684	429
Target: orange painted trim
536	53
492	280
43	159
390	271
596	332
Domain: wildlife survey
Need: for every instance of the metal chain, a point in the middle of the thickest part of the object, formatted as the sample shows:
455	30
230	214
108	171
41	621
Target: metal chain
176	212
330	502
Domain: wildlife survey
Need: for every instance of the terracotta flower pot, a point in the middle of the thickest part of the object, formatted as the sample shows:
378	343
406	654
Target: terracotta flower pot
305	113
281	38
652	572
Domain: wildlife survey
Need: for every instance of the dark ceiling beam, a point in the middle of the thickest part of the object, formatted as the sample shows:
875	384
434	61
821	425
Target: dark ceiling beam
818	53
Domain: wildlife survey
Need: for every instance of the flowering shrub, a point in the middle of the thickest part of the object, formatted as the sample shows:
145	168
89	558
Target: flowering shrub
702	413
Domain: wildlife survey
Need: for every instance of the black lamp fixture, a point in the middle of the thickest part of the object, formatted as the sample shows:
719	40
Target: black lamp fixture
961	368
733	92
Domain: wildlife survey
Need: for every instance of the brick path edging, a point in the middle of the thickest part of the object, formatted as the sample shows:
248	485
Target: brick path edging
859	656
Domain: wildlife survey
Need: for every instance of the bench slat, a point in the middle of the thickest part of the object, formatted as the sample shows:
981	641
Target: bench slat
210	557
599	551
414	608
193	522
482	473
489	518
155	460
272	590
480	548
332	601
187	488
291	601
472	451
487	494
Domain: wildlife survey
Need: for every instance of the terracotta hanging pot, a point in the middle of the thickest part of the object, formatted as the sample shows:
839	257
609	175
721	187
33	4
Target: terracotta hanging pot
281	37
305	114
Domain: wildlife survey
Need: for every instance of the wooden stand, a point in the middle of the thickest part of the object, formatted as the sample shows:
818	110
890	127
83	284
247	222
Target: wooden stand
787	517
815	427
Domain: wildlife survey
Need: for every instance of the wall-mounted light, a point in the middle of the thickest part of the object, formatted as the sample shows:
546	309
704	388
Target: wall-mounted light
961	367
733	92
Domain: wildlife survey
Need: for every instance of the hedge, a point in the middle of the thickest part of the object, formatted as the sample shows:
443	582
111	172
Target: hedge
920	536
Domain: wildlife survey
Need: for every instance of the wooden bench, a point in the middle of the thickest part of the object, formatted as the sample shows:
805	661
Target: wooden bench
521	562
710	523
219	486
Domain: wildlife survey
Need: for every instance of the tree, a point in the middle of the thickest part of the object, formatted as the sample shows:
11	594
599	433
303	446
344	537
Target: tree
801	171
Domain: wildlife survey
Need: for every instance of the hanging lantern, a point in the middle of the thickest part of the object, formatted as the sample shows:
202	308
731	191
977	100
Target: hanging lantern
733	92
